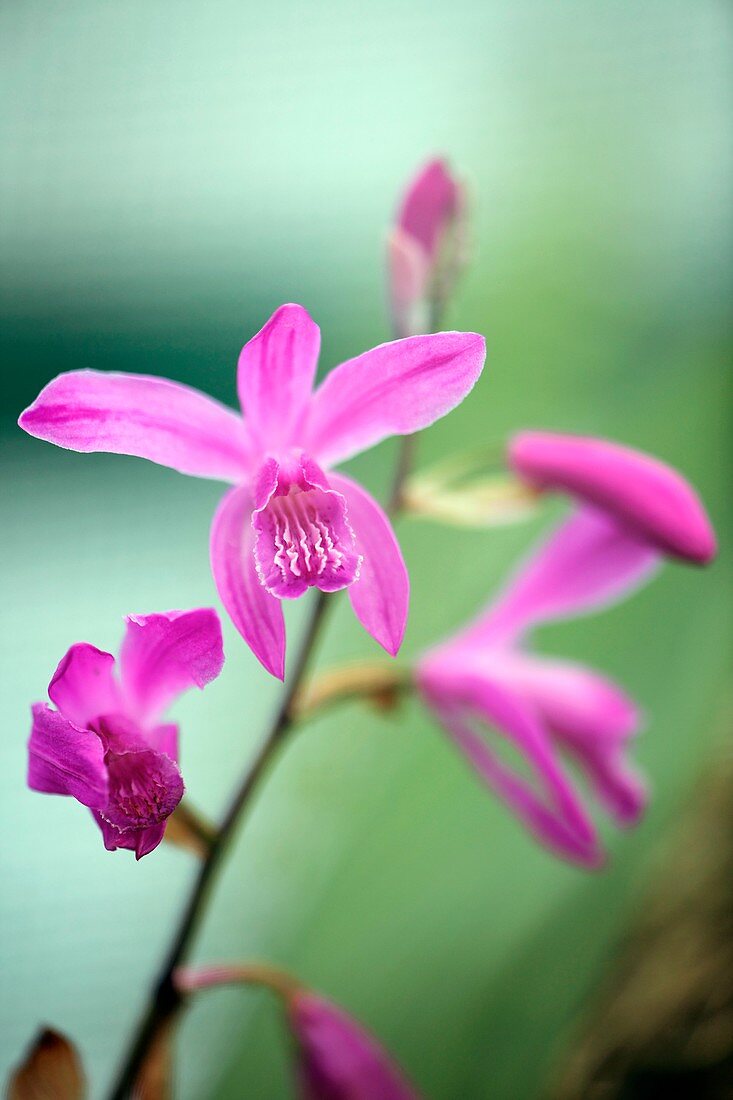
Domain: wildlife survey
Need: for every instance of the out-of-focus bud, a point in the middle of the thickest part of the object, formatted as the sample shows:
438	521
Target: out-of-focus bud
51	1070
426	249
466	491
155	1079
337	1058
643	494
377	683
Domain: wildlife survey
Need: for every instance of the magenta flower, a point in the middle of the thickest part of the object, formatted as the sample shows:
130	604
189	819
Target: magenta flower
430	211
288	524
547	709
646	497
105	744
338	1059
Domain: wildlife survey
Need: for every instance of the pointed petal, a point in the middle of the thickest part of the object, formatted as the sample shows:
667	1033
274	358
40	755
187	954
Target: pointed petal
380	596
83	686
165	655
256	614
548	806
338	1059
593	719
275	375
132	414
65	760
394	389
642	492
589	562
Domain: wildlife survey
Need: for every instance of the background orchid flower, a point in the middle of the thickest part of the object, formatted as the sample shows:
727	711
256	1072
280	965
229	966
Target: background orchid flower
647	498
289	523
336	1058
424	247
546	708
105	744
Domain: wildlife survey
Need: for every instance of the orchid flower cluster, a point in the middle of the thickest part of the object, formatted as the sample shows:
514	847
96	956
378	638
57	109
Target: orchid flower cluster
290	521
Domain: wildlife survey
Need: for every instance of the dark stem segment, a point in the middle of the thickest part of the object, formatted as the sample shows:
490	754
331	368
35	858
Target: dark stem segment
166	1000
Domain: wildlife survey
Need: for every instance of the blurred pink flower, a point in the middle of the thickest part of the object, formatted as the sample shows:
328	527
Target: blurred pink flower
547	708
430	212
287	525
646	497
105	745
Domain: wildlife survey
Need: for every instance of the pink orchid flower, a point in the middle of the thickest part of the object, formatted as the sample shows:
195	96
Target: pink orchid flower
645	496
485	677
289	523
430	210
105	744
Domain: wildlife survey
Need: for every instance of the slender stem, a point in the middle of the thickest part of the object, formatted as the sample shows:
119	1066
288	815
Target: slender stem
166	1000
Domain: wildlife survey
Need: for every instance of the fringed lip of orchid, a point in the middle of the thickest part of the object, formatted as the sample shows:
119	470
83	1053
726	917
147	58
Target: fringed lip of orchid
290	522
106	744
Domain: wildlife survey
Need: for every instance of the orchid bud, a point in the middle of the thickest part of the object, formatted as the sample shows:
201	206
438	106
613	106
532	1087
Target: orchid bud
425	249
337	1058
644	495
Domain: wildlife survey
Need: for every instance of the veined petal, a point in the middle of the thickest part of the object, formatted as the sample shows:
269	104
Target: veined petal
380	595
338	1059
63	759
134	414
589	562
256	614
552	811
642	492
83	686
165	655
394	389
275	375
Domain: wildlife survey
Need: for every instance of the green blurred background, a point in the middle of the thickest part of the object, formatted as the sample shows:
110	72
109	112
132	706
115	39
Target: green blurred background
173	171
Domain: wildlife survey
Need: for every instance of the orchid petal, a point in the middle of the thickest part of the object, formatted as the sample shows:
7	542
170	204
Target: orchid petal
338	1059
555	815
256	614
589	562
63	759
394	389
134	414
381	594
83	686
275	375
165	655
593	719
139	841
642	492
164	739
